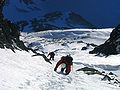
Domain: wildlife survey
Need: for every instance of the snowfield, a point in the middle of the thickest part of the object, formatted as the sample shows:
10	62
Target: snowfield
22	71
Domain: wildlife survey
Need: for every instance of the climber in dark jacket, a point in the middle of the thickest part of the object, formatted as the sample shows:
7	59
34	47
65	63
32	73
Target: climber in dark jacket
66	63
51	54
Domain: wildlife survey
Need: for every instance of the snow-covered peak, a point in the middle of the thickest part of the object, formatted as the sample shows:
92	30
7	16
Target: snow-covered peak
74	14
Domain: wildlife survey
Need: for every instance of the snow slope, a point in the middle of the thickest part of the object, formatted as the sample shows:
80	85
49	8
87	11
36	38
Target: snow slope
21	71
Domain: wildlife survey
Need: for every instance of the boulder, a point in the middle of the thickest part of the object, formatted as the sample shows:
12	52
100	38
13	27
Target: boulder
89	71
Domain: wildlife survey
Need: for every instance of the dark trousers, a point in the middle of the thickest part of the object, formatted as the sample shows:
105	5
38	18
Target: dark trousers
51	58
68	69
62	69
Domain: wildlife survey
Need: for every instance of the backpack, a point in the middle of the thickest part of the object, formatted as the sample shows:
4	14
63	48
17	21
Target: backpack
69	60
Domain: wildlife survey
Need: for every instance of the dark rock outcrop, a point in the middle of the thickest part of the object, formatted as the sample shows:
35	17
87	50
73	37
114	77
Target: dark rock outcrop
111	78
9	36
75	19
111	46
88	46
89	71
9	33
56	20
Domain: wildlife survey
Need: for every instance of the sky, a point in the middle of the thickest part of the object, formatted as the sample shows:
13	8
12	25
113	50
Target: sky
102	13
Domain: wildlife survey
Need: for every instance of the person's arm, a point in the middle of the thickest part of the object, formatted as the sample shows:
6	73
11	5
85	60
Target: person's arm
58	63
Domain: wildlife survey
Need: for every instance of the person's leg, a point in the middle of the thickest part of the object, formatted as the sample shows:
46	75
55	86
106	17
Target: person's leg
68	69
63	66
53	58
62	69
50	57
